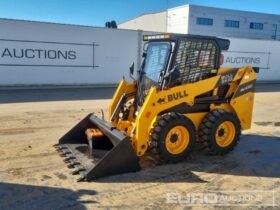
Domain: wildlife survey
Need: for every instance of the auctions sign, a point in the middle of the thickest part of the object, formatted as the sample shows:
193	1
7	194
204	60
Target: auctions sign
37	53
239	59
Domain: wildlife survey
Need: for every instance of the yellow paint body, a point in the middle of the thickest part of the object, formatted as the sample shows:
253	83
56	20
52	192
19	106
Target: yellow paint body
138	126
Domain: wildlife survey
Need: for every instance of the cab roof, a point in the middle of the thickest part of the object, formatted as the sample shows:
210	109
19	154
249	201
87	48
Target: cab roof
223	43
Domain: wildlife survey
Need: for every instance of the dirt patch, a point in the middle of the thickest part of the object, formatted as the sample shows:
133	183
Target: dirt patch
277	123
46	177
60	176
15	131
36	176
2	152
24	130
267	123
15	171
28	155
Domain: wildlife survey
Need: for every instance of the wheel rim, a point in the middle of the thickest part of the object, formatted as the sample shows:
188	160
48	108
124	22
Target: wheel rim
225	133
177	140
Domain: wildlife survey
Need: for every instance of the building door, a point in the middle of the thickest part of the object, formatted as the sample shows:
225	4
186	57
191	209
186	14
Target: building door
274	31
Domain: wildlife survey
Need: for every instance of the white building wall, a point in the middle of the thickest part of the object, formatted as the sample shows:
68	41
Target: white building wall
220	15
104	63
148	22
178	19
114	52
183	20
257	53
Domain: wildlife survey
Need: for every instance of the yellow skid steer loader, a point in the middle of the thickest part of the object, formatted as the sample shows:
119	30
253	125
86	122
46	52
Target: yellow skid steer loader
181	97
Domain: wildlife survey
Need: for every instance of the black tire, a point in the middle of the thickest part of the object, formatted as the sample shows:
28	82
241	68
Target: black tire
208	129
159	133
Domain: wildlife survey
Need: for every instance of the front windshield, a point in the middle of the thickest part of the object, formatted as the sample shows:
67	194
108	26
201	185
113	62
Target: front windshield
156	59
155	62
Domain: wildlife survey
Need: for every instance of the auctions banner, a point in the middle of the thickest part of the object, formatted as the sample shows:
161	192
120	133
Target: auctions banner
239	59
40	53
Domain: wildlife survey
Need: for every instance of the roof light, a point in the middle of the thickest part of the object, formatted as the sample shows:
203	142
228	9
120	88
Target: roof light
152	37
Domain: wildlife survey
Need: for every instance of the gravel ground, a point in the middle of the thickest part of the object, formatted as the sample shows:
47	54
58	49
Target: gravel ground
33	175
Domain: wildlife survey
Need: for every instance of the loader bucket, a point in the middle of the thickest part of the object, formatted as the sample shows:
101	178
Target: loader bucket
109	154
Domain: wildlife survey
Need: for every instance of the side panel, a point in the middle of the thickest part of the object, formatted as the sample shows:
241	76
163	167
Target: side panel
241	91
156	102
243	98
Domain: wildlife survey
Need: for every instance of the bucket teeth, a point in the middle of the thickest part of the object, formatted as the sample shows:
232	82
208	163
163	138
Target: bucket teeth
66	153
77	171
68	159
81	179
70	166
71	161
73	164
63	151
60	148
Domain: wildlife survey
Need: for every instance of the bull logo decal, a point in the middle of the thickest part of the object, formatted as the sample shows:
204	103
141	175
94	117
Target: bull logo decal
173	97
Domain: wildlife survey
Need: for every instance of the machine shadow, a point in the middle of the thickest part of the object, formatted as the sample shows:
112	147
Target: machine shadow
255	155
55	94
18	196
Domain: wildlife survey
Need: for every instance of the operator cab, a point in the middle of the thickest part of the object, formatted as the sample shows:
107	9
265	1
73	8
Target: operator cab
171	59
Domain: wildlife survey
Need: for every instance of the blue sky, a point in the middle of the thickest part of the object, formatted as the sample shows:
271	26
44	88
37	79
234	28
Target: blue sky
97	12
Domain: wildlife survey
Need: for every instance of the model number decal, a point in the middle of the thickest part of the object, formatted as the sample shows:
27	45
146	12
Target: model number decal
226	78
246	88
